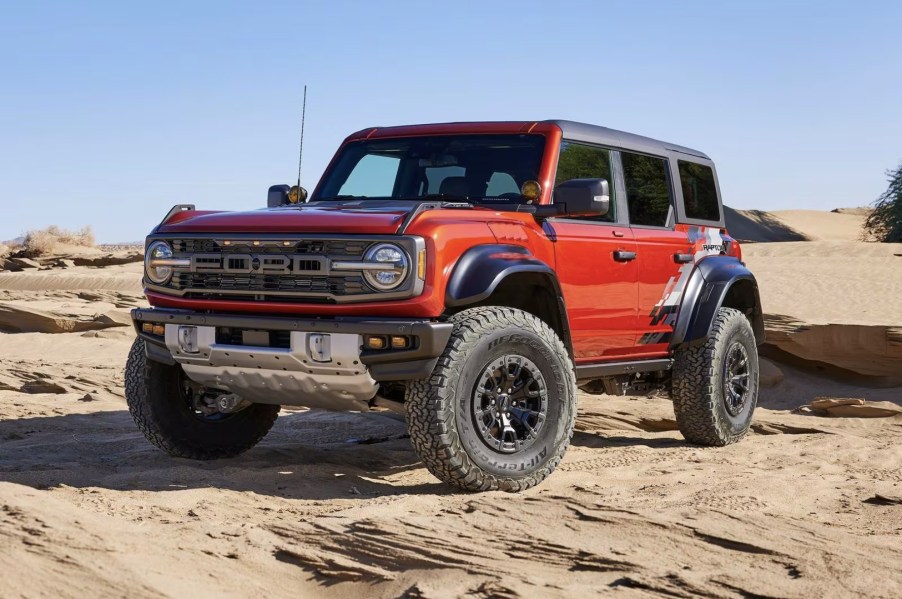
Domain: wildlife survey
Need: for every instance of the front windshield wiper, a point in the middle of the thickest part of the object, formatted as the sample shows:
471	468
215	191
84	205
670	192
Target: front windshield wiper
440	196
341	197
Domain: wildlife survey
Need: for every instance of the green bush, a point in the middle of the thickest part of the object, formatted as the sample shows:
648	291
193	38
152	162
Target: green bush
885	222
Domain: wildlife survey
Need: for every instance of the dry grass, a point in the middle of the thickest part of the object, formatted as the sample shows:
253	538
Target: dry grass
4	250
43	241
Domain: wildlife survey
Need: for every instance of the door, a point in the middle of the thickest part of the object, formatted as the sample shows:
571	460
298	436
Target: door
663	255
595	262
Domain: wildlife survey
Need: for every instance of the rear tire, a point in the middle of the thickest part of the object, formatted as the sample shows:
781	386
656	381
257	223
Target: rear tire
499	409
715	383
157	401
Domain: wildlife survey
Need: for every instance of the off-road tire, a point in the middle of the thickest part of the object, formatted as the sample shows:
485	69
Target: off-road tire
698	383
439	413
156	402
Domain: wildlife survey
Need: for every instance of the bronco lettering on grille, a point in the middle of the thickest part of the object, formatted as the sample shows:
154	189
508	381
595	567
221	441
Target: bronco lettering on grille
257	263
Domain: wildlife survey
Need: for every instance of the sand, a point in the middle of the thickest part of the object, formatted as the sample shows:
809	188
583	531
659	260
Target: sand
337	504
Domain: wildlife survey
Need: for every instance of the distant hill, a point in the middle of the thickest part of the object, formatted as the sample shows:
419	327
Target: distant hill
756	225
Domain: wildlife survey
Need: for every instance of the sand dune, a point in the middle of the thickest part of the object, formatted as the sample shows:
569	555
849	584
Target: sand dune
126	278
336	504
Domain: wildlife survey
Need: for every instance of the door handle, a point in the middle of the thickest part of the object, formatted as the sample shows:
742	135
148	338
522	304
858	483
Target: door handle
624	256
682	258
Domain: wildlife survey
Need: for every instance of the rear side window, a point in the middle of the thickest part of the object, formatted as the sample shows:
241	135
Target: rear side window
647	189
578	161
699	191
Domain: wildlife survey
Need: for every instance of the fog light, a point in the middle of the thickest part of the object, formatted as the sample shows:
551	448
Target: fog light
373	342
159	329
188	339
147	327
400	342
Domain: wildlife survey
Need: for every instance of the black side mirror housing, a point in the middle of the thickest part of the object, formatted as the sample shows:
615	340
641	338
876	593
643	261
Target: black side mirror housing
277	196
583	197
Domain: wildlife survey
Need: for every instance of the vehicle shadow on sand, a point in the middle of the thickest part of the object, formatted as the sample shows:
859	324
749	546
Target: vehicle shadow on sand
313	455
307	455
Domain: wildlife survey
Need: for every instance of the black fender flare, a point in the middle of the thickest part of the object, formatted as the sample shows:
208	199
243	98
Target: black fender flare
482	268
705	293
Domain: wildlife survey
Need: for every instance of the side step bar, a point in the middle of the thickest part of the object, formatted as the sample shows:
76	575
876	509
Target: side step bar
589	372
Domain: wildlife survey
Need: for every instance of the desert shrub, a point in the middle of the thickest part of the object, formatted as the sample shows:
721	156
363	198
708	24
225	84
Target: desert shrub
4	250
43	241
885	222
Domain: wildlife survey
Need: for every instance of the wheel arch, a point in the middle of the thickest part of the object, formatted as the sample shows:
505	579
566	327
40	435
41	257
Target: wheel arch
509	276
717	282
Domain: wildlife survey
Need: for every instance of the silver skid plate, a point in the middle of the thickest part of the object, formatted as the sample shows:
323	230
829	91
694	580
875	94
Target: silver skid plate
288	376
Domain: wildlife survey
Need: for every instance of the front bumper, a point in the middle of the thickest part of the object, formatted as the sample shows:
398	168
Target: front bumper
288	374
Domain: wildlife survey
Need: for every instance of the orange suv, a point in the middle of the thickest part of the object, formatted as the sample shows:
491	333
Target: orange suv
469	275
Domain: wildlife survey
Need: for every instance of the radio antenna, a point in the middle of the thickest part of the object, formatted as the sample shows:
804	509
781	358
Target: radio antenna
301	150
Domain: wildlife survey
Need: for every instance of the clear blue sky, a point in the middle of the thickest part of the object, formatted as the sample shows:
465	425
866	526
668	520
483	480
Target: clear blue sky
110	113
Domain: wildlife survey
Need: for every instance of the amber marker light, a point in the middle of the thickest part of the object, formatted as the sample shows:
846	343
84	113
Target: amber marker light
421	265
531	190
374	342
398	342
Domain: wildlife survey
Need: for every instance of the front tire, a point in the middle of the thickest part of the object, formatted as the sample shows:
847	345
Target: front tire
499	409
715	383
157	400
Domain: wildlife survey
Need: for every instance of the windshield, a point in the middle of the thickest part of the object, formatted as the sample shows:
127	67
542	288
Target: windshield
473	168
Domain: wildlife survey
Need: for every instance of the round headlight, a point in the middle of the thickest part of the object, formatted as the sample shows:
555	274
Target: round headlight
159	274
396	266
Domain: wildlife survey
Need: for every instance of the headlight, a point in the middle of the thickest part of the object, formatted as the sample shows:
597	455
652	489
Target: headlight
157	262
397	264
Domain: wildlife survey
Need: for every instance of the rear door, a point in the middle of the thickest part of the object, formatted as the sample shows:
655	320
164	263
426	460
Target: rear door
664	254
595	261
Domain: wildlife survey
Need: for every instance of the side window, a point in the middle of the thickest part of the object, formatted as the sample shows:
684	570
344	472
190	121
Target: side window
373	175
579	161
699	191
647	189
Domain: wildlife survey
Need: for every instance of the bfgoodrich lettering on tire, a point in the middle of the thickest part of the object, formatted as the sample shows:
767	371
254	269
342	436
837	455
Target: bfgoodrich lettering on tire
499	409
715	383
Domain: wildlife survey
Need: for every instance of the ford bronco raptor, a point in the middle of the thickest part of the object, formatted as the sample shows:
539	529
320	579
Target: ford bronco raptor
471	275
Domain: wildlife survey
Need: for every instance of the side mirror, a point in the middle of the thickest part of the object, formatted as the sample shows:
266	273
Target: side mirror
583	197
277	196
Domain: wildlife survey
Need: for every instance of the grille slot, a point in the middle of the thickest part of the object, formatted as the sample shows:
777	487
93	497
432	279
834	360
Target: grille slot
260	282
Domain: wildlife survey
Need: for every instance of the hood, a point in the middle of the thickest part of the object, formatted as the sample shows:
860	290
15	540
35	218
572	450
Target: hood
343	219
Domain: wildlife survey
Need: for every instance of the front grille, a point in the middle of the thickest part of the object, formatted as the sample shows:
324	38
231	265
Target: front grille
271	268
